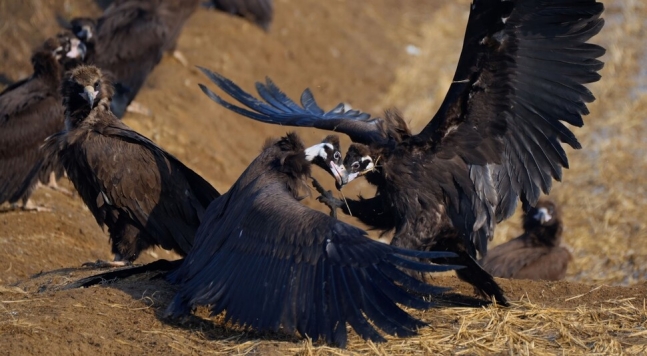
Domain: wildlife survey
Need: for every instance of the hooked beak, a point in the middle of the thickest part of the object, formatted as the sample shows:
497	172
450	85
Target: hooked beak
89	94
542	216
77	49
340	174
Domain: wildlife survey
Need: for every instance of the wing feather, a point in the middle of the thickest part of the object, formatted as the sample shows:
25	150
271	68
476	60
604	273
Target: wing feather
254	261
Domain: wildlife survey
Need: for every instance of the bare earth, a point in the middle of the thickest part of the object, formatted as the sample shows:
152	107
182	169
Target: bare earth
356	52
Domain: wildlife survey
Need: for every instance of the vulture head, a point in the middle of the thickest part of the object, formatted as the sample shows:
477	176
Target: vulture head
358	161
83	89
84	28
64	47
327	155
544	219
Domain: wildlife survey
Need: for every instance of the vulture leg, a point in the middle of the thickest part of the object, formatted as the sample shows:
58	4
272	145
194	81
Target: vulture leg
180	58
53	185
327	198
138	108
483	282
28	205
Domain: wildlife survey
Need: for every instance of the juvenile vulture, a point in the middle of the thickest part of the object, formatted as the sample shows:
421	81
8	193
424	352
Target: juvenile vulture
30	111
538	253
272	263
496	137
144	195
131	37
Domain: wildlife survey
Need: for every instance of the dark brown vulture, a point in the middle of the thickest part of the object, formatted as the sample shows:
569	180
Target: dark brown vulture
538	253
496	137
30	111
272	263
144	195
131	37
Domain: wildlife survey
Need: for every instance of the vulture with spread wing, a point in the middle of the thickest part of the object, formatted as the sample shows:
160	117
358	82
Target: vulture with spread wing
144	195
495	139
30	111
270	262
538	253
131	37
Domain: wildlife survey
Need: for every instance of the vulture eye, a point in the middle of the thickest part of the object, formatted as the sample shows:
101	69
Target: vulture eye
96	85
337	155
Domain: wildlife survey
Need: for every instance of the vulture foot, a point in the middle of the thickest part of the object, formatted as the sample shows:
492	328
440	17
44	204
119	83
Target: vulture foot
106	264
180	58
30	206
327	198
53	185
138	108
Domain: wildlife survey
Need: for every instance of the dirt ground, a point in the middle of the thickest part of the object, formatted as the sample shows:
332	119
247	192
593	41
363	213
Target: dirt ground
356	52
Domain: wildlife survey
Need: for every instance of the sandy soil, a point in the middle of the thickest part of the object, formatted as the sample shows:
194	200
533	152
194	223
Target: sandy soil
356	52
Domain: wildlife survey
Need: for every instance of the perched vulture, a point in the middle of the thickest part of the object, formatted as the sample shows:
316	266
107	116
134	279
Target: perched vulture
131	36
30	111
144	195
538	253
496	137
259	12
272	263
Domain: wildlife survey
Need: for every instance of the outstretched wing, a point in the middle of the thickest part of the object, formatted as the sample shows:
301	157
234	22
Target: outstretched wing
523	68
260	12
270	262
278	109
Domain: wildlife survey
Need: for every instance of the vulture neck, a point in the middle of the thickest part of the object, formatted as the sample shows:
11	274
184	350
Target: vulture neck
77	110
47	68
548	235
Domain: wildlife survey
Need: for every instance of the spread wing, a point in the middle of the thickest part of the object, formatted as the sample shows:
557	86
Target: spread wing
270	262
523	68
123	175
278	109
29	113
260	12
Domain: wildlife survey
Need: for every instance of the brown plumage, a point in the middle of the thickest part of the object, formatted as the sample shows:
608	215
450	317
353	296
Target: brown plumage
496	138
538	253
30	111
144	195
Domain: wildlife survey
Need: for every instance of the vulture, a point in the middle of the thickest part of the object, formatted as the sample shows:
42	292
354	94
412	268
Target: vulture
538	253
495	139
30	111
131	36
144	195
269	262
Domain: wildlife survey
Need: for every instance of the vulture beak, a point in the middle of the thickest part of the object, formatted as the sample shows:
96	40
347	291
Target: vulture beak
340	173
89	94
542	216
77	49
